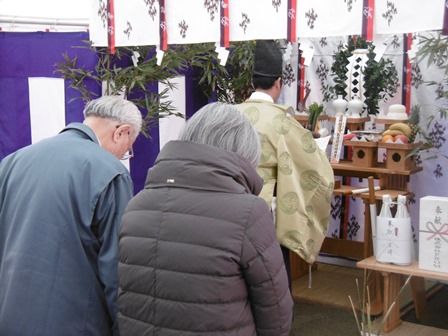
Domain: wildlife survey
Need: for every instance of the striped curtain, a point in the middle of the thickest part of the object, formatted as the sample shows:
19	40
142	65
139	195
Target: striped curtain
34	99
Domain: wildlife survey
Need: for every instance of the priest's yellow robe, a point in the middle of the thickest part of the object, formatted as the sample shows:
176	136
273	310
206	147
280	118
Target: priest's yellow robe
292	163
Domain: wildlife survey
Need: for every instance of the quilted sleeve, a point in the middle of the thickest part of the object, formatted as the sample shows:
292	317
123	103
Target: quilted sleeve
265	274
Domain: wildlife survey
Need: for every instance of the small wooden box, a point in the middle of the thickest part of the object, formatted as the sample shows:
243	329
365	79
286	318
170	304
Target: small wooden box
365	153
397	155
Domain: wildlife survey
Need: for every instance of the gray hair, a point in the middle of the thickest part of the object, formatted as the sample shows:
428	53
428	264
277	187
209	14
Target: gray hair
224	126
115	108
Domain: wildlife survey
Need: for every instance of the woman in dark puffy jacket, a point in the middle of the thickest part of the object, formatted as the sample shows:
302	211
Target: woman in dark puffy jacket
198	250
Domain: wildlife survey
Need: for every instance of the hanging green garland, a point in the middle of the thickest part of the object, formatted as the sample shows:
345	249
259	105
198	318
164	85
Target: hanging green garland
380	78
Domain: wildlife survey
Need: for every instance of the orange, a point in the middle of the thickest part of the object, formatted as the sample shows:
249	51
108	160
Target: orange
387	137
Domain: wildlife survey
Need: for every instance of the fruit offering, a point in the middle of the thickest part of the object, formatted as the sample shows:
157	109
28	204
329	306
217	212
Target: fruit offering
398	132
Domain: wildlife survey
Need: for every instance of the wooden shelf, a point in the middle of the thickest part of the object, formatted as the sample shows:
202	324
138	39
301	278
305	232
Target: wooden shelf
353	124
413	269
352	120
413	329
345	190
347	168
304	118
391	274
355	143
389	122
391	182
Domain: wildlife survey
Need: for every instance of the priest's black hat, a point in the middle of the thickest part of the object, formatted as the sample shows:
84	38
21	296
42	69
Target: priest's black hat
268	59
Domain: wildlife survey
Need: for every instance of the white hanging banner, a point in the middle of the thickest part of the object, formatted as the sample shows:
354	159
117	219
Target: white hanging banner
406	16
192	21
329	18
258	20
196	21
98	23
136	24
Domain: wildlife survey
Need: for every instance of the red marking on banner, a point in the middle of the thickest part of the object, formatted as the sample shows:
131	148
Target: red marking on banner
292	20
225	24
111	26
370	19
367	19
163	29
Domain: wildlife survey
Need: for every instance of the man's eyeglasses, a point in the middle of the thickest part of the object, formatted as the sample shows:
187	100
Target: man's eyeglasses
129	154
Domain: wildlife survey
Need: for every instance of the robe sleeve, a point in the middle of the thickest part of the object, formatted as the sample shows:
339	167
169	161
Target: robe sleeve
305	183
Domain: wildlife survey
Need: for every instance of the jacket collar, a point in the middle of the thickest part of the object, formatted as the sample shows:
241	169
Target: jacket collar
191	165
85	130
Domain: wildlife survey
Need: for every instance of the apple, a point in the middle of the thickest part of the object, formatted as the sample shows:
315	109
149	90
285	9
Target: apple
401	138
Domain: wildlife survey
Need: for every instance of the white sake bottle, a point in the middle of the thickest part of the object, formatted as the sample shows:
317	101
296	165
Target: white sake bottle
383	221
403	222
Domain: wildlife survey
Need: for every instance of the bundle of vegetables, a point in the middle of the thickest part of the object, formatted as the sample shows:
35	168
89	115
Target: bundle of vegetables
314	111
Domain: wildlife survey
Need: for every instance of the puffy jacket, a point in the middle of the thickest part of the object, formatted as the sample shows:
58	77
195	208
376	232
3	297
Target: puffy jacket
198	250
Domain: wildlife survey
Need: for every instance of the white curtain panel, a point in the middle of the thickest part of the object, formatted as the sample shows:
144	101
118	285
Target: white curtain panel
408	16
433	180
170	127
47	107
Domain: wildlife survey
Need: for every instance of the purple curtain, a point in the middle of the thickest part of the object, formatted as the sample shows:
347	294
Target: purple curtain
24	55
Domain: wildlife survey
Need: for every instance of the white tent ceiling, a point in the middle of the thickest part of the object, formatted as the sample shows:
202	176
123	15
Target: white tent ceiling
55	15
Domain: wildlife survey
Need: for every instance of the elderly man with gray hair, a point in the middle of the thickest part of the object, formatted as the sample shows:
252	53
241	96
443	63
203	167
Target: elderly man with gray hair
198	250
61	202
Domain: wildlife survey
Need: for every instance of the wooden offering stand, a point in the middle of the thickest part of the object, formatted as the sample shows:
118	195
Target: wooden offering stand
303	119
398	155
365	153
388	122
392	179
353	124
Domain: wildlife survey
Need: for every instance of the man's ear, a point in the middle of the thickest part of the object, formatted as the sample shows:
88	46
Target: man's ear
278	84
122	131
